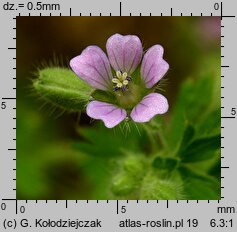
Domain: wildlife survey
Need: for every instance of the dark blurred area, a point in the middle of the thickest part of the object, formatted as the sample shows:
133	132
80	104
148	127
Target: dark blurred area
48	168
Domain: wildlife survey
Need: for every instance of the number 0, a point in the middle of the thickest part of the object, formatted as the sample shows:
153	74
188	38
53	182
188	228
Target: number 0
216	6
30	6
22	209
3	206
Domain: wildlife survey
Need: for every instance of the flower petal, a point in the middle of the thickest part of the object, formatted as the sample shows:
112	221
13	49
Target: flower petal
124	52
150	105
93	67
110	114
153	67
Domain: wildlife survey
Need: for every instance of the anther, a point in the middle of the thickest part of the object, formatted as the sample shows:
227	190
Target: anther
128	78
124	87
121	81
125	82
116	88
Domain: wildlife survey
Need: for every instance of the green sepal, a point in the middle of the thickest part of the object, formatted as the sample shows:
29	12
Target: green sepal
62	87
103	96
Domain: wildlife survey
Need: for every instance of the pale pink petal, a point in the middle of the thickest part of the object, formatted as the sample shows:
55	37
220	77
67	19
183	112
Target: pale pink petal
150	105
124	52
110	114
153	67
93	67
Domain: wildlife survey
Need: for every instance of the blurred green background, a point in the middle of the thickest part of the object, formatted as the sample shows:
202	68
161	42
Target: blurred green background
64	155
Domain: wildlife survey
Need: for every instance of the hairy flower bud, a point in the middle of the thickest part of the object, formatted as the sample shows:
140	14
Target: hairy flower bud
130	176
154	188
63	88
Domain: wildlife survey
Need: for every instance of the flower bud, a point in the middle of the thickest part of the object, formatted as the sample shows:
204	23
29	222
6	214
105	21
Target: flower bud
123	184
134	165
63	88
129	178
154	188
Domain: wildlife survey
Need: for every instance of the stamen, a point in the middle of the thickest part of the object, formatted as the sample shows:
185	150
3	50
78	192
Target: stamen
119	85
121	80
125	82
116	88
119	75
115	80
124	88
129	78
124	75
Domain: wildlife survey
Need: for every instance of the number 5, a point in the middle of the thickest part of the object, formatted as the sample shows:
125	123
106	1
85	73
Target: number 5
233	111
3	105
123	209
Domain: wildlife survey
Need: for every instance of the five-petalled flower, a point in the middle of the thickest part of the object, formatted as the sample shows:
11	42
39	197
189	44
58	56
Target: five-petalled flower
135	99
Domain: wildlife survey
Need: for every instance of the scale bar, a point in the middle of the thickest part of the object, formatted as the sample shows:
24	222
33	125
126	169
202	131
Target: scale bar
228	16
221	11
117	200
120	8
8	199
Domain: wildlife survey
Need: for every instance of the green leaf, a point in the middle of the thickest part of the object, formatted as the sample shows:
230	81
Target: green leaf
63	88
102	142
199	186
195	98
165	163
211	123
201	149
187	137
215	169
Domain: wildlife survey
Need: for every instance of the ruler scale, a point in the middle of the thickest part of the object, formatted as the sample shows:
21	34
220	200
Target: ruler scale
118	215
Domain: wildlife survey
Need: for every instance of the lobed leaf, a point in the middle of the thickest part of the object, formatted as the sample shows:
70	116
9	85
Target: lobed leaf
199	186
165	163
195	99
201	149
187	138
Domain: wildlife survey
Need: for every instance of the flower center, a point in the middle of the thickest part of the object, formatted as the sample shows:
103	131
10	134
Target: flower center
121	81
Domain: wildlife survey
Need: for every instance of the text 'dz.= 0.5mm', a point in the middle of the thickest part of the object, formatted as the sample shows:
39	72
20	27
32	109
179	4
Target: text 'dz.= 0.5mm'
31	6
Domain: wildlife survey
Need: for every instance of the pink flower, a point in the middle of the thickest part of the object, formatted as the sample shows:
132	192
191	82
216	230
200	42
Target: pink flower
134	98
